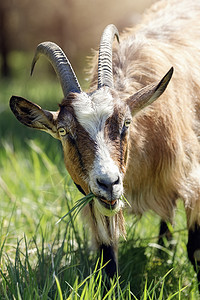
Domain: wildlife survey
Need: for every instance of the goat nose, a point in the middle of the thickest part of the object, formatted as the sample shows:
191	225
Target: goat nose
106	184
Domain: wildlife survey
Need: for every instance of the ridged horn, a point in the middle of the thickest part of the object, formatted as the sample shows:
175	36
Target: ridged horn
105	73
61	65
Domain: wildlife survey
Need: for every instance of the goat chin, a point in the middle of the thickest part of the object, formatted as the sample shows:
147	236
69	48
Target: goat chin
109	212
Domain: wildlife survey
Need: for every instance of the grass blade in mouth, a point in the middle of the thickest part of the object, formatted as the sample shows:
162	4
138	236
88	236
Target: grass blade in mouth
124	198
81	203
77	207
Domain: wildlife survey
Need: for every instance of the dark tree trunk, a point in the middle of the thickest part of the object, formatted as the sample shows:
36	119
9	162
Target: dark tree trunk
4	47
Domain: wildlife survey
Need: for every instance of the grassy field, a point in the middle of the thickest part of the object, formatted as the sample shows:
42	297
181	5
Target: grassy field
42	260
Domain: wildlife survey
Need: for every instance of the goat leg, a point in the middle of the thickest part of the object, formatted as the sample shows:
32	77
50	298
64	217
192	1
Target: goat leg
109	260
164	233
193	249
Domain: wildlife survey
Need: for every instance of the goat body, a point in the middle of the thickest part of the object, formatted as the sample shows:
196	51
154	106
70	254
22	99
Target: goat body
155	160
164	148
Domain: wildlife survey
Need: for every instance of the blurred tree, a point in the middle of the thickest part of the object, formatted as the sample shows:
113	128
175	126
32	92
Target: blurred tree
75	25
4	39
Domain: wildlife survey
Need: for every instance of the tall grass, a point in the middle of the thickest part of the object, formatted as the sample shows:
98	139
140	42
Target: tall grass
40	259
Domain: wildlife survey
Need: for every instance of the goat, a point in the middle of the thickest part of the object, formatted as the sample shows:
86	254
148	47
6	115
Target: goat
113	143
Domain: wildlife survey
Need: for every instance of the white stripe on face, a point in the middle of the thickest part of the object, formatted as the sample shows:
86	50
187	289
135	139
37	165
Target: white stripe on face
92	111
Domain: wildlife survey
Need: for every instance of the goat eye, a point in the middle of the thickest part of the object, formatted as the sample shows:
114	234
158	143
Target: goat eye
127	122
62	131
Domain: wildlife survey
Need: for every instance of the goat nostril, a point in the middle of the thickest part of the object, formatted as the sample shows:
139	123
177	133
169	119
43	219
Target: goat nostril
117	181
107	184
102	184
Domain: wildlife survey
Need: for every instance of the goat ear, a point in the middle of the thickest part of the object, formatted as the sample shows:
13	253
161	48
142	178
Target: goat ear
148	94
32	115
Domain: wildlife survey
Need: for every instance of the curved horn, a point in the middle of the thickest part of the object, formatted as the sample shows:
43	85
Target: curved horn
105	73
60	64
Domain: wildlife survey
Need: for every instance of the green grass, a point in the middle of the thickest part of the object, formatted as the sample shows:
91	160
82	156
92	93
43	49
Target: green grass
40	259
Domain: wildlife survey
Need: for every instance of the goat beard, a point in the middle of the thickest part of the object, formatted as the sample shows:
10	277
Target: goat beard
108	228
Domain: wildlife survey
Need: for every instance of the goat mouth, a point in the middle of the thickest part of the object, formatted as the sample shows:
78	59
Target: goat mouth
108	204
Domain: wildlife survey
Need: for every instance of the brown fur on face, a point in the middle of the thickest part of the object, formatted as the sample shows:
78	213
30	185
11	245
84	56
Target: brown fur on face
116	134
78	148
